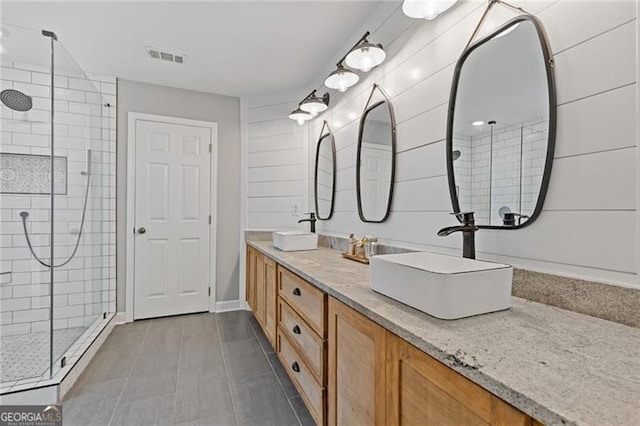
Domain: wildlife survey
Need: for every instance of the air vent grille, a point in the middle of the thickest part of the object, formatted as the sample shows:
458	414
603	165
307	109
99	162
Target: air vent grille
164	55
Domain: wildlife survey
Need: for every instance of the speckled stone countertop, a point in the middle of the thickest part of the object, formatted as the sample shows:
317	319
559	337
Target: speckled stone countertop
558	366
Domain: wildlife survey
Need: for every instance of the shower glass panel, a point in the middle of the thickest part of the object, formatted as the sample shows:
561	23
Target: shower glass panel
25	176
78	212
56	205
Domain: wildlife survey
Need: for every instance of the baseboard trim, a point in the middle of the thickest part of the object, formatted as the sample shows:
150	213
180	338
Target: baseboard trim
120	318
229	305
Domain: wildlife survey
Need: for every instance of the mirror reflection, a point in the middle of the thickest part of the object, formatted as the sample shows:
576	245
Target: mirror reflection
325	174
501	139
375	165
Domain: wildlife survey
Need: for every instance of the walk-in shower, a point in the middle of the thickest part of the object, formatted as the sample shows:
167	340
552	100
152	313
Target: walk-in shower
57	209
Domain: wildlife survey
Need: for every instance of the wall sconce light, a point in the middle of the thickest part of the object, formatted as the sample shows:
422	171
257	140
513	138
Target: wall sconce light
300	116
365	55
362	56
309	107
426	9
314	104
341	79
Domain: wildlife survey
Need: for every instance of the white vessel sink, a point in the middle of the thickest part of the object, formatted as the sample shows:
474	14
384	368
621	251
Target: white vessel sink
445	287
295	241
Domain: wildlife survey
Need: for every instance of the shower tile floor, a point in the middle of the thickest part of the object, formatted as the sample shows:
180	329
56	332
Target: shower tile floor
26	356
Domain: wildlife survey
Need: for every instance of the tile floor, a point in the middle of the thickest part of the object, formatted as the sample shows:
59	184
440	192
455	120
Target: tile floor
201	369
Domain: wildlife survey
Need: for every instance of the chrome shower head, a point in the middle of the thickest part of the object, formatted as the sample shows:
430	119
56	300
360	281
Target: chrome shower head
16	100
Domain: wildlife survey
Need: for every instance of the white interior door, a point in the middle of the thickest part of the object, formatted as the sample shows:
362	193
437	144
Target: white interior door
172	208
375	173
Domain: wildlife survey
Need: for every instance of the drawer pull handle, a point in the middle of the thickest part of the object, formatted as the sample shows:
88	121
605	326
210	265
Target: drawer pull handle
296	329
295	367
296	292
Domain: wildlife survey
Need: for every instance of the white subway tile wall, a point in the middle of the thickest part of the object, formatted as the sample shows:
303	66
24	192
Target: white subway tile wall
85	287
587	228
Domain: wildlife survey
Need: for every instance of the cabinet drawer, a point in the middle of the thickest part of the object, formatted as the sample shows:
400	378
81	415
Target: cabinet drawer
305	299
304	339
310	390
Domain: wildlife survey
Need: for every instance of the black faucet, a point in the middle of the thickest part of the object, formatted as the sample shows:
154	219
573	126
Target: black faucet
468	230
312	221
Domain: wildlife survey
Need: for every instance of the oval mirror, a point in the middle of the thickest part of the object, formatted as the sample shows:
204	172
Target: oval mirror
325	173
375	165
501	126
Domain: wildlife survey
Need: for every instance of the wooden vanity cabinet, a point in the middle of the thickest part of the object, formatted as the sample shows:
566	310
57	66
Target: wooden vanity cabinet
423	391
262	291
351	371
356	387
251	260
302	318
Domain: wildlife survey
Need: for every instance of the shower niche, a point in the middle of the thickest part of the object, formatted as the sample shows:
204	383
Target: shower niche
501	126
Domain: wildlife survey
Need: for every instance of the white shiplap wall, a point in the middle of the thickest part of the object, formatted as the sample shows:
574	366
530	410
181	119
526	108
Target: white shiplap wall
276	168
588	227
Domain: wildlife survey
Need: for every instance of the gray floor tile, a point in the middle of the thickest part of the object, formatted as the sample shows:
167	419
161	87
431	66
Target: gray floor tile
174	369
201	356
165	331
161	358
259	400
110	363
264	342
204	397
92	404
227	319
200	325
150	386
252	319
302	412
245	358
237	332
287	385
152	411
129	336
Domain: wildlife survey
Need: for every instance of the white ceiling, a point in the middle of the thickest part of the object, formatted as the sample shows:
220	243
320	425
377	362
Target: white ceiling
234	48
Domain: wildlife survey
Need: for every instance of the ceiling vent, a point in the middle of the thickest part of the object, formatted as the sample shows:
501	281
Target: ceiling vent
165	56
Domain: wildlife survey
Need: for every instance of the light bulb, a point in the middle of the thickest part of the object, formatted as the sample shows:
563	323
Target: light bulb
342	85
300	121
366	63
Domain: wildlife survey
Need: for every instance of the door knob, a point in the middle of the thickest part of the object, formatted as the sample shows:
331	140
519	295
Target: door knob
141	230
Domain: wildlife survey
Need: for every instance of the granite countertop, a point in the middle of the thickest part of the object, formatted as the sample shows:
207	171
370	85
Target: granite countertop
558	366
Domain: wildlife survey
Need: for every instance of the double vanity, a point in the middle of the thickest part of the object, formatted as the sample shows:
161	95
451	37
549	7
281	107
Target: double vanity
429	339
358	357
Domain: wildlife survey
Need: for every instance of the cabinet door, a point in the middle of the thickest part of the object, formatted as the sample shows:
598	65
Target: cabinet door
422	391
259	312
251	278
271	292
356	392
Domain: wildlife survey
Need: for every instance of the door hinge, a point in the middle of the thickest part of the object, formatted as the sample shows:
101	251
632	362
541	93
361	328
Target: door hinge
209	291
210	147
209	219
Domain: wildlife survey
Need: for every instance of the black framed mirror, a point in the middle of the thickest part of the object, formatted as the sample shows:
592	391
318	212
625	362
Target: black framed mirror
375	162
325	173
502	125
